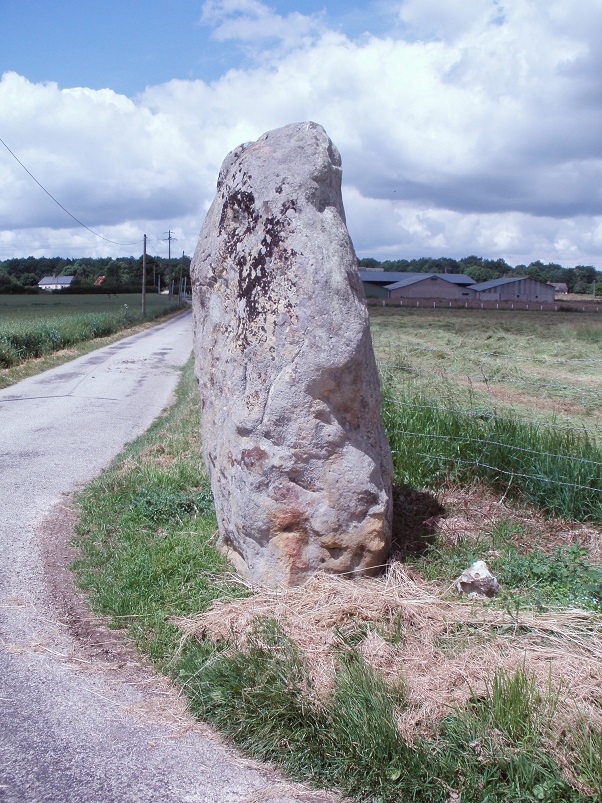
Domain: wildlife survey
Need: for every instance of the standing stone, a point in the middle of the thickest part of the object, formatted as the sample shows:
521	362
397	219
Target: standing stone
290	403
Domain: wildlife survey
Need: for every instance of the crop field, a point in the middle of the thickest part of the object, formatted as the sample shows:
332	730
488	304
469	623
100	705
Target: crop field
26	309
33	326
541	365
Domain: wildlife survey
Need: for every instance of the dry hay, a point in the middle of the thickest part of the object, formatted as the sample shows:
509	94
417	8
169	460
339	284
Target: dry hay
441	648
473	508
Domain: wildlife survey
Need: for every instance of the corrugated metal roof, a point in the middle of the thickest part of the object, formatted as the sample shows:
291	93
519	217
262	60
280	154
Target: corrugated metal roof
412	280
498	282
393	276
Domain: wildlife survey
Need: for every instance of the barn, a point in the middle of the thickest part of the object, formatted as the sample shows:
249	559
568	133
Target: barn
519	288
430	285
397	284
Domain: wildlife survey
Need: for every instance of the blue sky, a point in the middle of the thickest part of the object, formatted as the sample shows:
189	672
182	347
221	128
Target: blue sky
465	126
132	44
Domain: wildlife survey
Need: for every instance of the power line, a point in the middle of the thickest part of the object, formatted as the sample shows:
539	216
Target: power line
49	194
489	415
489	442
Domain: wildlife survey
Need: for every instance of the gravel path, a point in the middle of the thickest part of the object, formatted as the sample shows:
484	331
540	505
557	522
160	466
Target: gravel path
82	717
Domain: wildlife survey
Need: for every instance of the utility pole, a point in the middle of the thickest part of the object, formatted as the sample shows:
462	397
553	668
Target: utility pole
169	238
144	278
180	281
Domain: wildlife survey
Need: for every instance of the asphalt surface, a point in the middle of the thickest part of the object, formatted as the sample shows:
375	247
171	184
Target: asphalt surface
82	724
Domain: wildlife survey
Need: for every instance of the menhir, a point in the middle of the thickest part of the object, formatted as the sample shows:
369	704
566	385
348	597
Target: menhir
290	403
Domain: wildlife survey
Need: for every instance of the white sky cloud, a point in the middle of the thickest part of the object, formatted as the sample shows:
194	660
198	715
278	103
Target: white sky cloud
252	21
475	134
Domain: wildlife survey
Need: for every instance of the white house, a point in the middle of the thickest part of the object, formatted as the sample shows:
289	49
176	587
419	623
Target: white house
55	282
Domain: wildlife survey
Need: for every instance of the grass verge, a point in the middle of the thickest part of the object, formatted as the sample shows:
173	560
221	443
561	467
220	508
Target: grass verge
36	365
386	689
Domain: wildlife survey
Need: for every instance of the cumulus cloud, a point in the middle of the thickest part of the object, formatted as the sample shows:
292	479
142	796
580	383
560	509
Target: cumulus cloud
475	131
440	19
251	21
106	159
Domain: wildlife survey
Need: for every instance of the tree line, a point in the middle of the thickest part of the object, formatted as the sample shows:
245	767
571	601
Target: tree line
121	275
124	274
578	280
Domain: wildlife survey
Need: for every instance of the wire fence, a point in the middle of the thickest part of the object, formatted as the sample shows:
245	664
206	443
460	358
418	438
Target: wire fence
457	303
463	421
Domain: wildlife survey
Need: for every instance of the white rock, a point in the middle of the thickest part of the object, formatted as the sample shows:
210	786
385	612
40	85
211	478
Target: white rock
477	581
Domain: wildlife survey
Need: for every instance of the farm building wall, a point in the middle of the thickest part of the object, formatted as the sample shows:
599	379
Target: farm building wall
433	287
520	290
375	290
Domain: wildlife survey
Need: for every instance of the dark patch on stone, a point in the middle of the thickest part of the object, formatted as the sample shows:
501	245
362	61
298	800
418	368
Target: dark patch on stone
238	220
254	457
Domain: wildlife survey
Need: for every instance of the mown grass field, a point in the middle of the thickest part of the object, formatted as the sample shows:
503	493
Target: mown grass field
392	688
541	365
32	326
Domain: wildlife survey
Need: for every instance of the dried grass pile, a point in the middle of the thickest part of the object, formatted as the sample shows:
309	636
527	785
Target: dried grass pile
441	648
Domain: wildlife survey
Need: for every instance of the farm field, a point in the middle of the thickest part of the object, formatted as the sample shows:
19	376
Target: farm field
543	365
26	309
511	397
32	326
394	688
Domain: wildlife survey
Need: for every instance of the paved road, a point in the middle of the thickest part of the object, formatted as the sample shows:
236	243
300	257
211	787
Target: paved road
74	725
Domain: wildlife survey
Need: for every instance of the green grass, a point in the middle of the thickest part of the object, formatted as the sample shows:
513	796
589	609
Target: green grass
530	576
586	749
44	306
147	554
497	747
510	398
145	533
540	366
434	438
33	326
263	699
